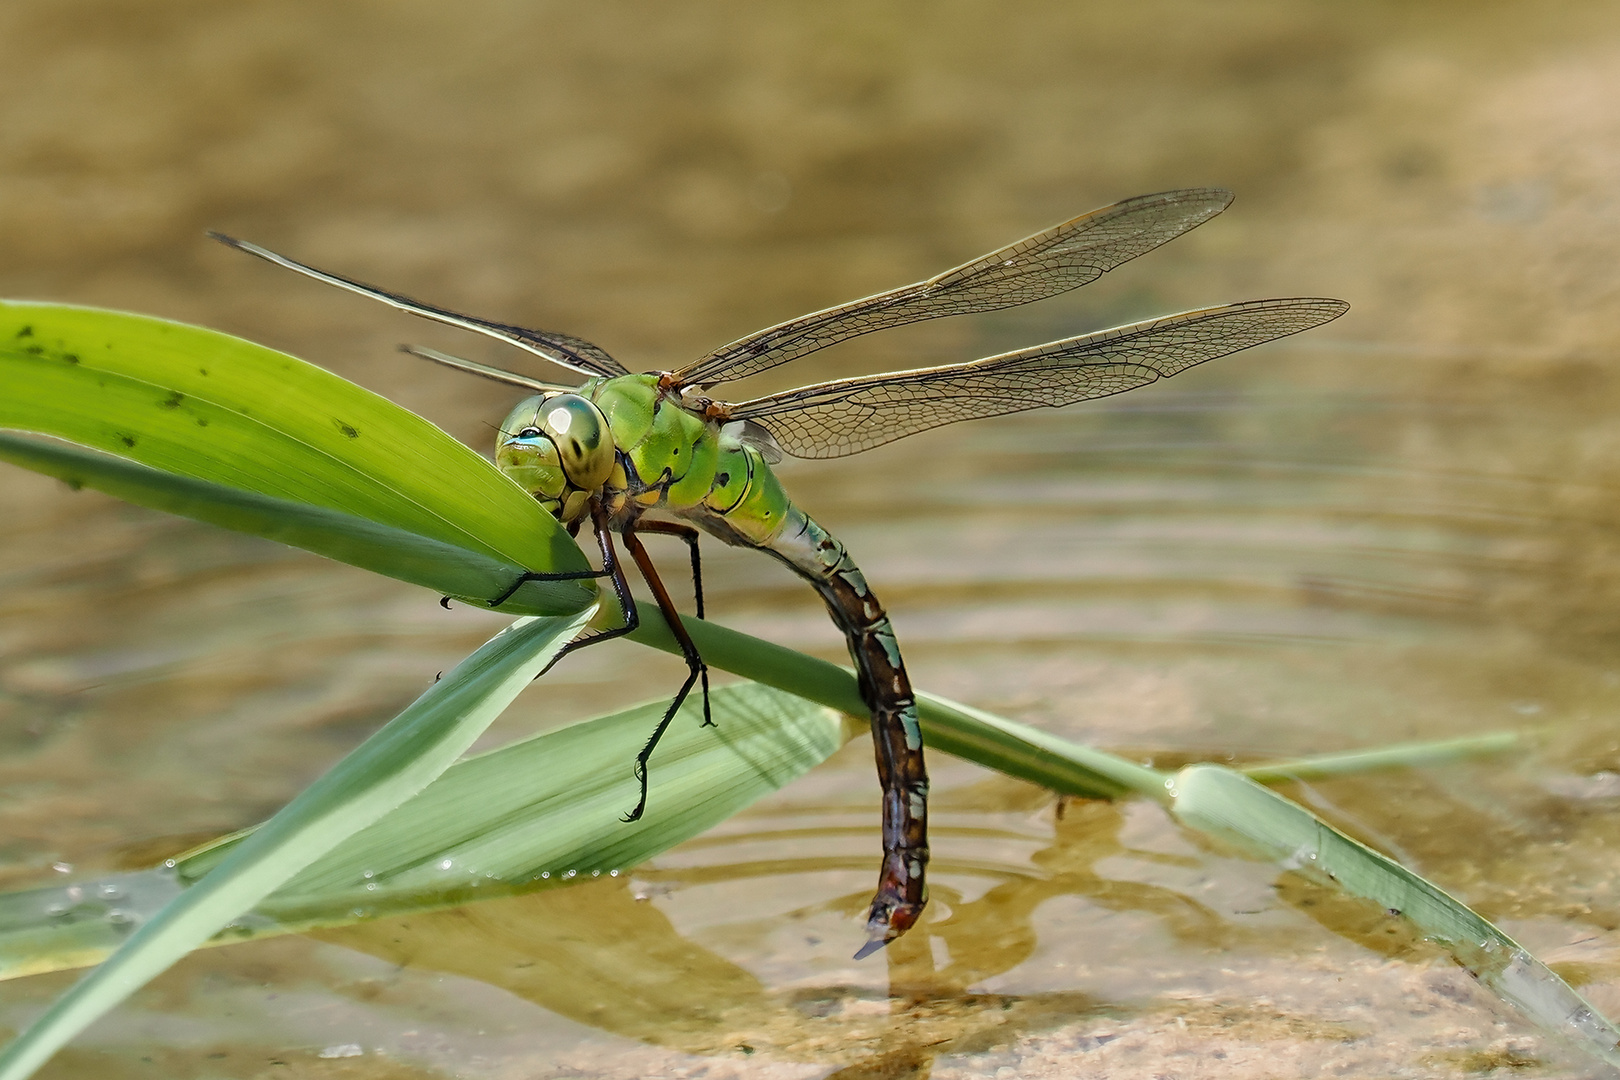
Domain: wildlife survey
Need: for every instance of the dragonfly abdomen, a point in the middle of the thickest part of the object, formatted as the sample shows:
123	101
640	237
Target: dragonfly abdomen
822	559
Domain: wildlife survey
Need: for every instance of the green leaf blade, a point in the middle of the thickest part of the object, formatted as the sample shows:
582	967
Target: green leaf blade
394	764
1223	803
407	556
511	820
215	408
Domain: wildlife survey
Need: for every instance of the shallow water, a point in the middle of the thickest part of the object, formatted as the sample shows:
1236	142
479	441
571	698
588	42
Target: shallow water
1400	526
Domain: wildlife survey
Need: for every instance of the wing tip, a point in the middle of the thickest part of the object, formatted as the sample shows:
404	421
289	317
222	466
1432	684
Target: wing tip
1219	197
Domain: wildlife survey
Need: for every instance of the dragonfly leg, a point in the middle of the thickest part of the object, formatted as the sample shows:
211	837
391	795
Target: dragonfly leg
690	535
694	663
628	616
531	575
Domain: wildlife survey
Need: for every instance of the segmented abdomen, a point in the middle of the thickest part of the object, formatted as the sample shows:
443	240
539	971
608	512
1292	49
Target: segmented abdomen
751	510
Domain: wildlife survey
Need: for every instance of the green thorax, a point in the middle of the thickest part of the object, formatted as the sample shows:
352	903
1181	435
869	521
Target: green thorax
673	459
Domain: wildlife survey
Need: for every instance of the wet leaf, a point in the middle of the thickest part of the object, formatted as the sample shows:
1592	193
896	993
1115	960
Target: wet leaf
538	813
1222	803
388	768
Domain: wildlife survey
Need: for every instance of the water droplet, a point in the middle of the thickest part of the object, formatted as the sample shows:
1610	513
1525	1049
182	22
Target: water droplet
596	873
545	874
74	893
447	864
120	917
369	874
613	873
170	864
56	910
571	873
111	892
371	886
346	1050
62	867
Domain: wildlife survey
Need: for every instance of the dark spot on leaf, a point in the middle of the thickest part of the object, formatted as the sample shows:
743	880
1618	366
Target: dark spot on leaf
74	483
72	358
127	440
27	331
346	429
173	400
201	422
33	350
202	371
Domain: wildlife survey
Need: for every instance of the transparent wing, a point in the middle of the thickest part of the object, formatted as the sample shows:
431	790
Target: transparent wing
847	416
564	350
473	367
1061	258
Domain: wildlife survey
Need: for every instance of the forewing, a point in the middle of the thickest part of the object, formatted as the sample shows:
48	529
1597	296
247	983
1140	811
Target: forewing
564	350
1057	260
850	415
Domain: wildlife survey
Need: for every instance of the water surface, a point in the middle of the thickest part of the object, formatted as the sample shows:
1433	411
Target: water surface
1400	526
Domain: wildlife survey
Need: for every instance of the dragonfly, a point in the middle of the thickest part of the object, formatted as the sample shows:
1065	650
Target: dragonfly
654	452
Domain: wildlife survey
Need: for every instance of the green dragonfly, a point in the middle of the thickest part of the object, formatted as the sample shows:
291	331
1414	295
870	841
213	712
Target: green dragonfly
619	445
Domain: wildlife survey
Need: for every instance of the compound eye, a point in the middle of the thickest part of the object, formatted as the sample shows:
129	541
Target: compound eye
580	432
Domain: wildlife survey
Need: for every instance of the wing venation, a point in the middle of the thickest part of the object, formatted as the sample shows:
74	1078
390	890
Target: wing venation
846	416
1061	258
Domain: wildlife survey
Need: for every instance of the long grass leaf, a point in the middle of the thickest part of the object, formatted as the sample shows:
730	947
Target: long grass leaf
215	408
1222	803
394	764
385	549
538	813
1016	749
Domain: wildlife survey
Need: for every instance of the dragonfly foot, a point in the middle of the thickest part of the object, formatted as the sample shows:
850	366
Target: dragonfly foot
708	721
530	575
641	807
444	602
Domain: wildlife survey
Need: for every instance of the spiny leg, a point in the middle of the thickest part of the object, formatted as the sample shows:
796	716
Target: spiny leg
694	663
612	569
690	535
621	591
533	575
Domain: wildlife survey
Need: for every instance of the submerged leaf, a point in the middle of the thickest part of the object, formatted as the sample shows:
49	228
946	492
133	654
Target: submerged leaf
537	813
388	768
1222	803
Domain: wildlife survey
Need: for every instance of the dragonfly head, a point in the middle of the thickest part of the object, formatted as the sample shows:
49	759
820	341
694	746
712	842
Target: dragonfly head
559	448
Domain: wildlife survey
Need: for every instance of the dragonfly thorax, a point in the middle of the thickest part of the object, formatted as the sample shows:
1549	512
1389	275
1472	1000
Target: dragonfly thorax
559	448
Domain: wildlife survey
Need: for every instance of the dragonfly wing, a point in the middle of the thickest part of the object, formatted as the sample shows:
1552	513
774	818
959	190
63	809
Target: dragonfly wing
1063	257
567	351
473	367
847	416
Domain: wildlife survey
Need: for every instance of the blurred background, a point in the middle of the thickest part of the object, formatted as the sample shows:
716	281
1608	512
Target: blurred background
1402	525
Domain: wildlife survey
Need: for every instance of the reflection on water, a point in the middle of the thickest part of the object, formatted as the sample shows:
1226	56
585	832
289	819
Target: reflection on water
1402	527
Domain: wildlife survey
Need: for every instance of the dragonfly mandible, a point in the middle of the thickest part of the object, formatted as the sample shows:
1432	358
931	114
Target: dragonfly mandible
619	445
